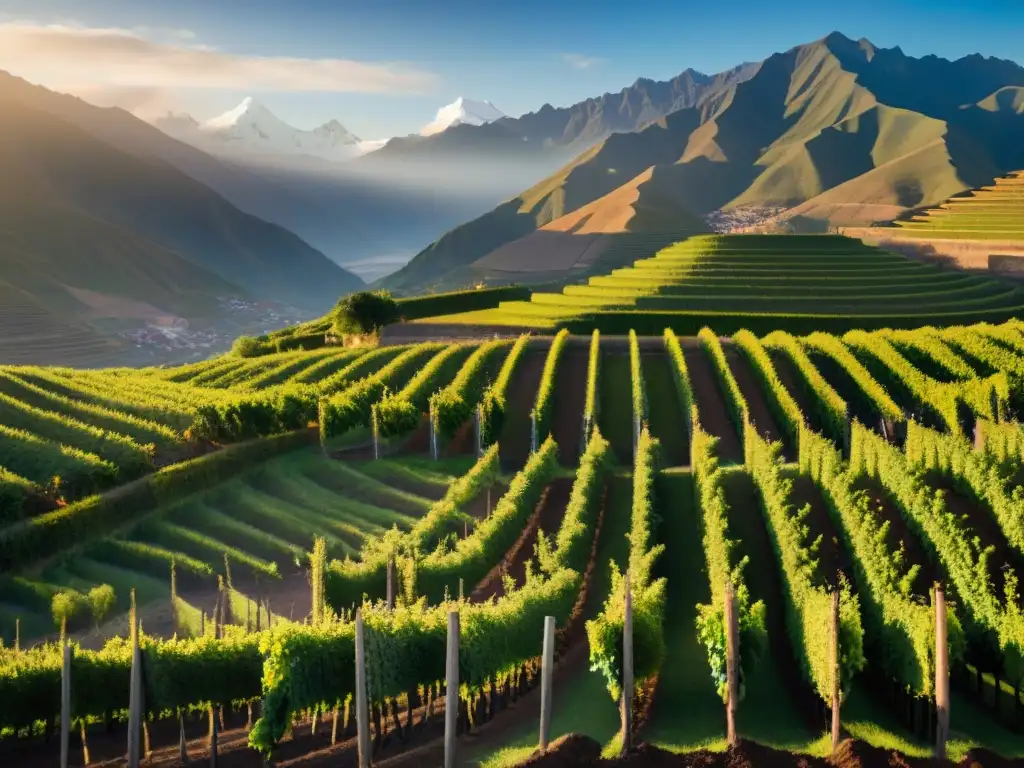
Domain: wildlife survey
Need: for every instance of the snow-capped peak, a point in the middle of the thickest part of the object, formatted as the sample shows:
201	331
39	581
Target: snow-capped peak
249	111
462	110
252	129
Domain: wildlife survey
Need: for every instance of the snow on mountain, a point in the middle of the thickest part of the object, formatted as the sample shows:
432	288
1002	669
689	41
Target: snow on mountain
462	111
251	128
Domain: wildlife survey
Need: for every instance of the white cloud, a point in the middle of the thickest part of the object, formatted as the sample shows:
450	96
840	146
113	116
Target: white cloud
580	61
74	57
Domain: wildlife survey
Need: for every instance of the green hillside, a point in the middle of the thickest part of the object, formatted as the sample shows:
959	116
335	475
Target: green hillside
809	122
763	282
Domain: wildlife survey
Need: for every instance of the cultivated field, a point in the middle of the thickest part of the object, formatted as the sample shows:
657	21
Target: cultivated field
871	464
797	283
991	213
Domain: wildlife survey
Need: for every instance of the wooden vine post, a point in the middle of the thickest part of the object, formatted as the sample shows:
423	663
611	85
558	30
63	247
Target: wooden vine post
65	705
732	676
627	671
134	692
941	675
451	701
362	707
834	664
546	683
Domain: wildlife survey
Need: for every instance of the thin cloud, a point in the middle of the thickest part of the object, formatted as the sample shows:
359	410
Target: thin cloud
74	57
580	61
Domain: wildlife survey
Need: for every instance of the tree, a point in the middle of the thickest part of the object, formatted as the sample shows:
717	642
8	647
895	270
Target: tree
246	346
64	606
365	312
101	602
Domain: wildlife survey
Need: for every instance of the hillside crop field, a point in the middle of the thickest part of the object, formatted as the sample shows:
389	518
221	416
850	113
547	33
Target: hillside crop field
871	463
796	283
994	212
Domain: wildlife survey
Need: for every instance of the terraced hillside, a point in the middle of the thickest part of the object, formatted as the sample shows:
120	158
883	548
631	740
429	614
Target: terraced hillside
994	212
877	435
763	282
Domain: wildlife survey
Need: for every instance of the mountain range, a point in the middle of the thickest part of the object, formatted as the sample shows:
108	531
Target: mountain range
252	128
838	131
112	217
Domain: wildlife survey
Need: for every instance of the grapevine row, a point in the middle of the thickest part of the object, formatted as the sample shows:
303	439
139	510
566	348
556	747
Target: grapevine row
453	406
546	390
808	605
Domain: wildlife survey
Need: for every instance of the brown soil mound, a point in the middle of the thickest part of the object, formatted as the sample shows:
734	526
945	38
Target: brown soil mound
571	749
577	750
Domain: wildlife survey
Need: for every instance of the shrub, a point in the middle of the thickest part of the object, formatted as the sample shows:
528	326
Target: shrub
365	312
247	346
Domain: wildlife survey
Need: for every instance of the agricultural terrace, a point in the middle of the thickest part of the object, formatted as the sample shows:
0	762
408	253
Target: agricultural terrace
509	481
798	283
994	212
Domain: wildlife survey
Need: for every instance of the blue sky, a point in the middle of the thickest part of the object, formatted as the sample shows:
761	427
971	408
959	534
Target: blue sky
413	56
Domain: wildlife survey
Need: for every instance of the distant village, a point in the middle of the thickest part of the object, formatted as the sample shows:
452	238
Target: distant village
175	340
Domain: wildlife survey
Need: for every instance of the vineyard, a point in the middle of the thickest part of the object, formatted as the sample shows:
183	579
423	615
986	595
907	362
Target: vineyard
798	283
243	509
995	212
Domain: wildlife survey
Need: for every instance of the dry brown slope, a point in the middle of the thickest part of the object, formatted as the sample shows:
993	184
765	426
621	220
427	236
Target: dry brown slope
576	241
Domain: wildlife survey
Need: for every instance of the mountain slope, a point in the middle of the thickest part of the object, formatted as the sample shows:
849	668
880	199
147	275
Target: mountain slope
176	230
282	198
836	116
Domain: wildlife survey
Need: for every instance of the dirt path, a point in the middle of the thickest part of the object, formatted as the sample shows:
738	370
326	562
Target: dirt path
882	504
522	395
570	400
666	418
778	688
547	518
757	403
711	407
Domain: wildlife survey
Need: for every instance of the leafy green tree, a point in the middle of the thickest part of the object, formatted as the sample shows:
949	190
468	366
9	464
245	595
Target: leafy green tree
365	312
101	602
64	606
246	346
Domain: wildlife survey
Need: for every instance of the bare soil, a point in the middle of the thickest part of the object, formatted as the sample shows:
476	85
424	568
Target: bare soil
576	750
714	415
547	518
757	404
